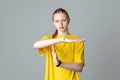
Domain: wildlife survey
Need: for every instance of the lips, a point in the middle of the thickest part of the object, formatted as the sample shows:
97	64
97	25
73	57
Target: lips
61	27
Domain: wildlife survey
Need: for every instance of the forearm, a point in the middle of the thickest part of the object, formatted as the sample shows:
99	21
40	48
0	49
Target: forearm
45	43
72	66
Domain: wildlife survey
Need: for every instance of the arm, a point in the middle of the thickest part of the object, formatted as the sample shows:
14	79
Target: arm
70	66
48	42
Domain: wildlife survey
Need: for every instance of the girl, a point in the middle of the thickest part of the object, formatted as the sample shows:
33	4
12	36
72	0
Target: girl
64	51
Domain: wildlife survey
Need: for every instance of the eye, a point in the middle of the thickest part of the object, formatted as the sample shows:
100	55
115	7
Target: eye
63	20
56	21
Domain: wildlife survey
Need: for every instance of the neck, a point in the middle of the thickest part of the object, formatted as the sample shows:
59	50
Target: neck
63	33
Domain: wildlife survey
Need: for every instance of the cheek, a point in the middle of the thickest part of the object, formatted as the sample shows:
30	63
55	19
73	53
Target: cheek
66	23
56	25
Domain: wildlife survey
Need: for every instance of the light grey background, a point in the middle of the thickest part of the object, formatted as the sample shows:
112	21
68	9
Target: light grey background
22	22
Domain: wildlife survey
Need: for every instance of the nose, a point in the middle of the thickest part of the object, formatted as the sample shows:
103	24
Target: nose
61	23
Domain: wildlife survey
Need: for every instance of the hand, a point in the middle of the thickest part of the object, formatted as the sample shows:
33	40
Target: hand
73	39
55	58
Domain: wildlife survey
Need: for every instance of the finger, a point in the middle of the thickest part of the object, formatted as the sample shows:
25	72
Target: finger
53	51
52	47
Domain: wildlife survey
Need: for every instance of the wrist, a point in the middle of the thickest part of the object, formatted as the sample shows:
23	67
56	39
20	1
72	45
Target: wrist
59	63
63	39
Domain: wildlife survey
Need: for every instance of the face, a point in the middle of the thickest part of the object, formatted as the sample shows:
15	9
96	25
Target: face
61	22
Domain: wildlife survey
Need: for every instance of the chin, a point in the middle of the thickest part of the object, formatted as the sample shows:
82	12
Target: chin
62	30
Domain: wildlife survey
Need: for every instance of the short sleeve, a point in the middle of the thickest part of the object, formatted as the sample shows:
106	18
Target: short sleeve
41	51
79	52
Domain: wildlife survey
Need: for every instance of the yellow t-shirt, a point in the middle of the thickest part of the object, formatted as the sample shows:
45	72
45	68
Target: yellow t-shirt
69	52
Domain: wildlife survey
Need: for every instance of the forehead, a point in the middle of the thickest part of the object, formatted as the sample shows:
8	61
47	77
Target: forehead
60	14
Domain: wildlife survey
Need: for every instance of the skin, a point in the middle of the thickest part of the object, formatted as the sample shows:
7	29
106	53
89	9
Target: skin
60	22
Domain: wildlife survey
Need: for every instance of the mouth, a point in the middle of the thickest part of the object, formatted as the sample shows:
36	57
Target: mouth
61	27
